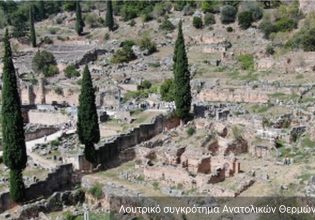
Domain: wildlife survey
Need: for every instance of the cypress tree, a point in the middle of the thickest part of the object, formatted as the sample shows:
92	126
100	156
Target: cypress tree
16	186
14	150
32	28
41	10
87	126
109	21
182	94
79	21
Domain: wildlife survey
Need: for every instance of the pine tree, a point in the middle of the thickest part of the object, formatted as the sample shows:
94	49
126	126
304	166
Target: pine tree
14	150
87	126
109	22
79	21
182	94
32	28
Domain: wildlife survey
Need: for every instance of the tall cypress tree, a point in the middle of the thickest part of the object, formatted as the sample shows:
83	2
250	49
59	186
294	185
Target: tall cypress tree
109	22
79	21
87	126
32	28
41	10
182	93
14	150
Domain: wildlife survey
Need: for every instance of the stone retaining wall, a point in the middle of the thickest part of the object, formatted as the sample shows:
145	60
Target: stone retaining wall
59	180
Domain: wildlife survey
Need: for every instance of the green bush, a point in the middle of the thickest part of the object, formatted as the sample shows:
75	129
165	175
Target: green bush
55	142
128	12
267	28
270	50
285	24
190	131
229	29
147	44
209	19
245	19
167	91
228	14
246	61
166	25
71	71
58	90
52	30
210	6
44	62
197	22
96	191
146	17
132	23
47	40
145	84
188	10
255	9
125	54
304	39
93	20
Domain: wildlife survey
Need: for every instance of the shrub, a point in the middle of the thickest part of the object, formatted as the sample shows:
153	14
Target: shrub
245	19
47	40
132	23
166	25
106	36
145	84
246	61
304	39
267	28
190	131
197	22
255	9
58	90
71	71
96	191
209	19
93	20
44	62
147	44
229	29
146	17
53	30
270	50
127	44
188	10
285	24
128	12
159	10
167	91
228	14
125	54
210	6
55	142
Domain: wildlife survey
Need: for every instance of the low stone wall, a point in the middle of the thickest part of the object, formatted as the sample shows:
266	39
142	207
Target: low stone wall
59	180
47	118
39	133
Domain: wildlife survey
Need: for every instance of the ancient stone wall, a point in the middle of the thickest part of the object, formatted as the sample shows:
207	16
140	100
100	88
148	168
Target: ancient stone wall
39	95
111	150
39	133
47	118
59	180
233	95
